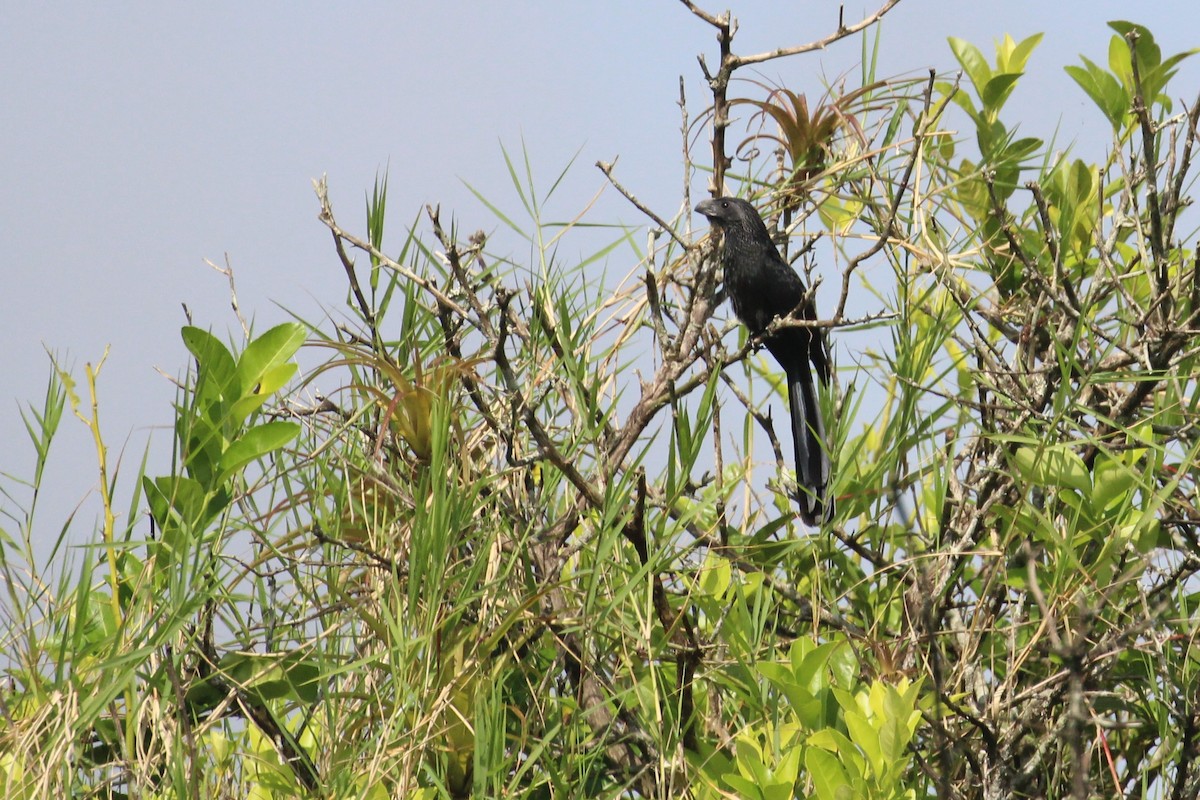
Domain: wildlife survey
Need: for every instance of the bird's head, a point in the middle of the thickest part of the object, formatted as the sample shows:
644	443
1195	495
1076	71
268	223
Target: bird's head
733	215
720	211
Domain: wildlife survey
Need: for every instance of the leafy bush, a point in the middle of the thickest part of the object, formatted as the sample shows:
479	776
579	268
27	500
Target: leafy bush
531	546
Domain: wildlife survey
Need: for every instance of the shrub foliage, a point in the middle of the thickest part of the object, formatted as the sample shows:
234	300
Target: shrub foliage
522	529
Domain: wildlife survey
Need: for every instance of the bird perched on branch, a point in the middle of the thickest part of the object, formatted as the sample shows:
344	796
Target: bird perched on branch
762	286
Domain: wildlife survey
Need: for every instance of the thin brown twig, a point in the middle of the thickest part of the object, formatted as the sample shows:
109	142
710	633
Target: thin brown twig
607	168
841	32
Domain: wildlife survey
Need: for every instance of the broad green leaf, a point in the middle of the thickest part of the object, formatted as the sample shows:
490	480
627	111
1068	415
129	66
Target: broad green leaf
805	706
896	709
273	676
272	380
215	365
210	352
750	760
180	495
1023	148
1106	91
267	352
1053	465
1019	56
1120	61
863	733
834	741
828	776
810	671
277	377
997	89
715	576
972	61
255	443
1112	482
1149	54
744	788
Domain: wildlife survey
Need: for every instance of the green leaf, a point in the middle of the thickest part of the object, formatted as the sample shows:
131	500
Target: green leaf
272	349
376	214
1161	74
750	759
805	705
1149	54
273	676
863	733
810	669
1120	61
256	443
1022	148
714	576
1105	91
181	495
1020	54
992	137
997	89
744	788
828	776
272	381
1081	180
1053	465
276	378
1113	481
216	368
899	716
209	351
972	61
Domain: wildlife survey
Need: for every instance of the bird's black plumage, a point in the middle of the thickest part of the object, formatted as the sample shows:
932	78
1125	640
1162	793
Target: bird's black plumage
762	286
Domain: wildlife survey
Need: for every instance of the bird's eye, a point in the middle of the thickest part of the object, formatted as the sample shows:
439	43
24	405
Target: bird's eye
724	204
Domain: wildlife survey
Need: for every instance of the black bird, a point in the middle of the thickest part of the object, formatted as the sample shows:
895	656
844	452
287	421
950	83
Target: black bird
762	286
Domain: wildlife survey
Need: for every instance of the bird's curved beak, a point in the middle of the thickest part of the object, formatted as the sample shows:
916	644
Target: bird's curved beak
708	208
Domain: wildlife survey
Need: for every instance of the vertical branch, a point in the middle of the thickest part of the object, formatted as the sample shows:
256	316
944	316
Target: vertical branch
1149	164
720	89
326	217
1172	203
677	627
719	84
719	476
688	167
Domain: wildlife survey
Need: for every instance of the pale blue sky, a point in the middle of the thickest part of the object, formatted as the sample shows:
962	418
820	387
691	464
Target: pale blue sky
140	138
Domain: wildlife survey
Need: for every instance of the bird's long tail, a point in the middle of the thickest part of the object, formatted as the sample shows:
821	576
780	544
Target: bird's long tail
812	457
